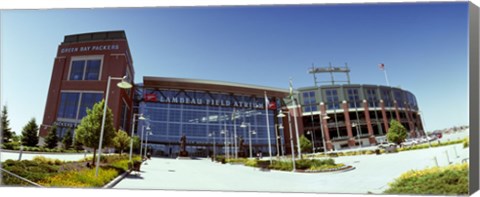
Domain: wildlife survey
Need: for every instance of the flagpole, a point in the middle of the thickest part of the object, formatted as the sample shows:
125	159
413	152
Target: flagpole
268	126
386	78
299	150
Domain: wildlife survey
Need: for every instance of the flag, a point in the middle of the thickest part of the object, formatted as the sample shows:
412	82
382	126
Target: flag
268	104
381	66
150	97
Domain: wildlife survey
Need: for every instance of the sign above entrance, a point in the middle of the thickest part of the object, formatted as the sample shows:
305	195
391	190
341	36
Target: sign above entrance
153	97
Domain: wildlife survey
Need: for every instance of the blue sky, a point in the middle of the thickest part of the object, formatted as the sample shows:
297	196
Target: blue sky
424	47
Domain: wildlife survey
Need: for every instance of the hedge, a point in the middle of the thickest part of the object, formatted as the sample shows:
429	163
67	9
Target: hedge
449	180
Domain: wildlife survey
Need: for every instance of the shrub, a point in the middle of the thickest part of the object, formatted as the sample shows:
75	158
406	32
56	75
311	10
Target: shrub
449	180
83	178
251	162
31	170
281	165
466	143
45	160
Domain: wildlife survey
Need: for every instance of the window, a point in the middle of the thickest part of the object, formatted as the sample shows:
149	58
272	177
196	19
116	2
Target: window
68	105
92	70
309	101
85	69
72	107
332	99
372	98
123	117
399	98
353	98
88	100
387	99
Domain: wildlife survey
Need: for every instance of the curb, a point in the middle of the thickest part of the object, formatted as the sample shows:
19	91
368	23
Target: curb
116	180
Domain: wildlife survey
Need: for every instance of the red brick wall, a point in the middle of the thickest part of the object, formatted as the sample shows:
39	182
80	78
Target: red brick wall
115	63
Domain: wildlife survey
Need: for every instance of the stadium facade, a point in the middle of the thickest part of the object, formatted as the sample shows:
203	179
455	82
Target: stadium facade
217	117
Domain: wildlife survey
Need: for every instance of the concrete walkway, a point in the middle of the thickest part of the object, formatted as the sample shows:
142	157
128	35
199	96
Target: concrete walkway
372	174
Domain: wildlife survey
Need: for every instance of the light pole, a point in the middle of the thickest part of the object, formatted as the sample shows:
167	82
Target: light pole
131	135
141	140
250	132
212	134
323	117
281	115
124	85
313	141
356	125
224	132
146	143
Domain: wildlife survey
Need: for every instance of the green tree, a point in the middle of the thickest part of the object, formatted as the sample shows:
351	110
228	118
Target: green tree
30	133
52	139
136	142
67	139
305	144
7	132
88	132
397	132
77	145
121	141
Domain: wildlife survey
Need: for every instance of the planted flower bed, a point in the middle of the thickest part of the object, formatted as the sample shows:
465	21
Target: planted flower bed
449	180
56	173
302	165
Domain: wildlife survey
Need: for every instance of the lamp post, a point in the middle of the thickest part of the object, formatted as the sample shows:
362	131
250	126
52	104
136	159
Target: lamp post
224	132
141	140
323	117
313	141
250	132
356	125
212	134
281	115
131	135
124	85
146	143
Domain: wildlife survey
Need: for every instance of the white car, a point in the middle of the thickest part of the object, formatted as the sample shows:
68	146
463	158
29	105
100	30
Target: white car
384	145
409	142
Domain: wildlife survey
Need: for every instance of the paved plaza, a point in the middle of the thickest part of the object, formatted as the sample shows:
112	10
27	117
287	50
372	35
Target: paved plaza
371	173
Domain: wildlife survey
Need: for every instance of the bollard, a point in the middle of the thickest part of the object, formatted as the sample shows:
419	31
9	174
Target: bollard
456	154
20	155
448	159
436	162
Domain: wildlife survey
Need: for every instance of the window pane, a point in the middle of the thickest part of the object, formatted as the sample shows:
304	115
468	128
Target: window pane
93	70
68	105
88	100
76	72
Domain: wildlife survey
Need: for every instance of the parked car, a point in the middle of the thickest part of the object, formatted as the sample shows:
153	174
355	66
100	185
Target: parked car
384	145
438	134
409	142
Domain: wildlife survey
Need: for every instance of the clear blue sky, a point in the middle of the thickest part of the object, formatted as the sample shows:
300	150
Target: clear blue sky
424	47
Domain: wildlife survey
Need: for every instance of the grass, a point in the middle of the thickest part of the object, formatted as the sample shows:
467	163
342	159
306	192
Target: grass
449	180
